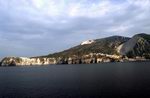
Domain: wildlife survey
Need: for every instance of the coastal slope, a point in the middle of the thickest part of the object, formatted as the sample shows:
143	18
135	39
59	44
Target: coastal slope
105	45
138	45
110	49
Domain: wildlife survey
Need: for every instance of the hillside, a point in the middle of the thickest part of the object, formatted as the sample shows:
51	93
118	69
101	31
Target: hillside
110	49
105	45
138	45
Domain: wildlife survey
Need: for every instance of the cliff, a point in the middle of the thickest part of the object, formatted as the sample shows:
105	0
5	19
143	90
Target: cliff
21	61
110	49
138	45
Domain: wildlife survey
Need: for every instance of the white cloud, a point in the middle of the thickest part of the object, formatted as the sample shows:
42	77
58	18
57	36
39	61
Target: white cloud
41	25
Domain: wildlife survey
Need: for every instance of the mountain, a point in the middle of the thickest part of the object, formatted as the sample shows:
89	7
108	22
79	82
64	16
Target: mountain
110	49
138	45
105	45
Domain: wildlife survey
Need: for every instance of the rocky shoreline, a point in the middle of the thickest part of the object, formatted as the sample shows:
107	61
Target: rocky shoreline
92	58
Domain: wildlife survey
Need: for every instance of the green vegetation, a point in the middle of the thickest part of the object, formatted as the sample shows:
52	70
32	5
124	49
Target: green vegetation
130	54
105	45
138	45
145	36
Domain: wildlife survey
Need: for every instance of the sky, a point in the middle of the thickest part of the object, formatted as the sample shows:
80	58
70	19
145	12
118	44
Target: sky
40	27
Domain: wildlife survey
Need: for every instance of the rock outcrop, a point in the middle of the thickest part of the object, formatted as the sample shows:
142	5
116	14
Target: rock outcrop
21	61
138	45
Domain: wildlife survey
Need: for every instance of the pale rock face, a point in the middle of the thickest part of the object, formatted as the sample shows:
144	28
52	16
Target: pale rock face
119	48
70	58
87	42
25	61
21	61
99	60
106	60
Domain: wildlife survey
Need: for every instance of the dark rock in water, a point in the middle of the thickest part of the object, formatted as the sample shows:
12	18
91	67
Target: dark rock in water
9	61
13	63
138	45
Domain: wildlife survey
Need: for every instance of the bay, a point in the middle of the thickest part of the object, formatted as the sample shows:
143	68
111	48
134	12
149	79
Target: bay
104	80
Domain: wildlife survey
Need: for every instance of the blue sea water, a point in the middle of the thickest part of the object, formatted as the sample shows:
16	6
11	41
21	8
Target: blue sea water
104	80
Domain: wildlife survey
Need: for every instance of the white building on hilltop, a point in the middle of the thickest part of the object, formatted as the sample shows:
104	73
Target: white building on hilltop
87	42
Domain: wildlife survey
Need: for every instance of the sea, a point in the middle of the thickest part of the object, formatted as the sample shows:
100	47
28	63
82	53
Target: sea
104	80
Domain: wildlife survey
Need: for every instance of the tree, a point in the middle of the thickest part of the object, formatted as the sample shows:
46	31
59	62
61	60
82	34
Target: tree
129	54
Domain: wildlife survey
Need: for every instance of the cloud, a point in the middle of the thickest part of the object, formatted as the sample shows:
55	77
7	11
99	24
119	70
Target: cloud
38	27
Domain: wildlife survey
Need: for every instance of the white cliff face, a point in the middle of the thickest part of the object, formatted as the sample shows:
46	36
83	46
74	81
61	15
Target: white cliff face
21	61
24	60
87	42
119	48
99	60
